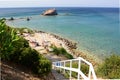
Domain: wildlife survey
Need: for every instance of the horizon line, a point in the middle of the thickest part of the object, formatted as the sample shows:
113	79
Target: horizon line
58	7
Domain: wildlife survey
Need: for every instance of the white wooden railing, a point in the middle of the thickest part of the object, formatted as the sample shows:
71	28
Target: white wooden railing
62	65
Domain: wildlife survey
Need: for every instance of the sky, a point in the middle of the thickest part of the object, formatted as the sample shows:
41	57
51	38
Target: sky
59	3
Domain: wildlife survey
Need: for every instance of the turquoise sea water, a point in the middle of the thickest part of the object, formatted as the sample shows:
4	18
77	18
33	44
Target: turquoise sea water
96	30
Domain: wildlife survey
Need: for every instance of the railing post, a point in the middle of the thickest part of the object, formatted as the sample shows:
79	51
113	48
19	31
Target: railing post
53	66
60	66
89	75
56	65
70	70
93	73
79	65
64	69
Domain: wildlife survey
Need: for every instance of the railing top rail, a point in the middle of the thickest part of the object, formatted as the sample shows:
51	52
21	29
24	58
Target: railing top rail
76	70
91	69
85	61
69	60
79	58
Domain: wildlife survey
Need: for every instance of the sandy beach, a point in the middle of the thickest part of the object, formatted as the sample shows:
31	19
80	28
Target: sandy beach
42	42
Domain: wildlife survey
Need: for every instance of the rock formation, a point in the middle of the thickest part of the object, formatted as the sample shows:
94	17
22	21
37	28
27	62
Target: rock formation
50	12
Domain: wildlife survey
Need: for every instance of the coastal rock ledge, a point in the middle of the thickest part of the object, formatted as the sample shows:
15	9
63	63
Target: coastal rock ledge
50	12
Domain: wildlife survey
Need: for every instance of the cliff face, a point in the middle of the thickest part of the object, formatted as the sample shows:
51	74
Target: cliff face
50	12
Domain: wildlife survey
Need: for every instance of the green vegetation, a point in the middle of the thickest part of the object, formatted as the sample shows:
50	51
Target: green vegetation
61	51
16	49
110	68
24	30
84	68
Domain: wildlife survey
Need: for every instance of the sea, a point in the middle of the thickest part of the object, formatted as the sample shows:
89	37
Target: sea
95	30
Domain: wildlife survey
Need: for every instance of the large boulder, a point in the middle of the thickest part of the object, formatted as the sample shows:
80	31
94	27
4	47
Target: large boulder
50	12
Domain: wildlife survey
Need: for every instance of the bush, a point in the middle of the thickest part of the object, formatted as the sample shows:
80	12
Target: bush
110	68
7	37
28	57
56	50
24	30
16	49
39	64
84	68
43	66
62	51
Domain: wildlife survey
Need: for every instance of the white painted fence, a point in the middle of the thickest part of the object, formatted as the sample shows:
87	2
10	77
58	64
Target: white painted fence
62	65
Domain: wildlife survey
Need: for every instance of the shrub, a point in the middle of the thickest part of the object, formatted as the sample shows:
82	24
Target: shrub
62	51
28	57
69	56
7	37
56	50
43	66
15	48
85	68
24	30
110	68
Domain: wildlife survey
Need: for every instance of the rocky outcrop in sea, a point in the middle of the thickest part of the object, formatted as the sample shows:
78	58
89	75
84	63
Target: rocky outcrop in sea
50	12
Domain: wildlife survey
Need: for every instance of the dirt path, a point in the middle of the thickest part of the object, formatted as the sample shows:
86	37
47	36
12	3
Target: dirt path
54	58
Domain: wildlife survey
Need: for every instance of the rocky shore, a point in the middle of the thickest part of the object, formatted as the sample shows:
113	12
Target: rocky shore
70	46
54	39
68	43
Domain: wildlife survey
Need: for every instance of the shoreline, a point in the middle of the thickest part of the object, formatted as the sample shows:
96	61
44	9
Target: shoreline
45	36
68	43
69	46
